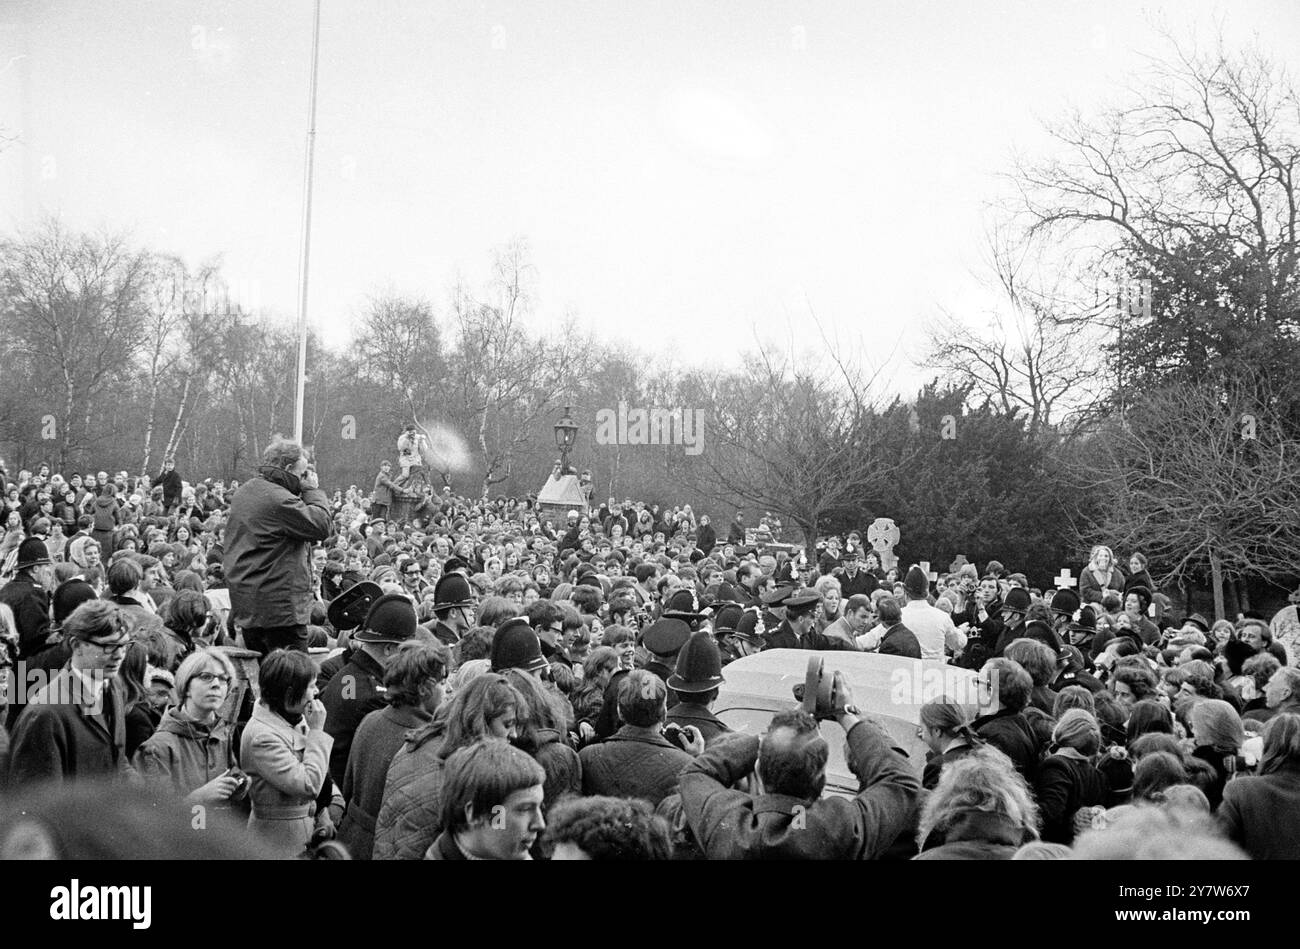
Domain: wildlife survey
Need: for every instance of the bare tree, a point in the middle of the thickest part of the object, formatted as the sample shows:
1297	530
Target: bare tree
206	321
795	436
1195	179
74	308
1034	357
400	348
504	378
1203	478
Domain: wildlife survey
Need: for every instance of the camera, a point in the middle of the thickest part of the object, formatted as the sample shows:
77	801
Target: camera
817	693
245	783
678	735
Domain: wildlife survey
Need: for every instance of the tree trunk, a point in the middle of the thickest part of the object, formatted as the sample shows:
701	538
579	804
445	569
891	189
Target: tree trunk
66	435
1243	596
176	426
809	532
1216	582
149	426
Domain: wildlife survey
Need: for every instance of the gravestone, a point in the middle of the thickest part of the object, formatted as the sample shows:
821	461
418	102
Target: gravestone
883	535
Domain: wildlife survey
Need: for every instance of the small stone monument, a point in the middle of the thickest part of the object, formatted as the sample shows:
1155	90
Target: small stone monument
883	536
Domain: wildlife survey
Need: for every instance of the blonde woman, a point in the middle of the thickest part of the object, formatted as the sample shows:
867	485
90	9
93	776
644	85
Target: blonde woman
981	810
831	607
1100	575
191	754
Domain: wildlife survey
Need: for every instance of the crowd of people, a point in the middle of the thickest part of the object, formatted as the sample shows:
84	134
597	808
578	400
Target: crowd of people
488	680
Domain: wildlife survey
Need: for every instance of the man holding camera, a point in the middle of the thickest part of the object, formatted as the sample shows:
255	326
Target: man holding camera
274	521
752	798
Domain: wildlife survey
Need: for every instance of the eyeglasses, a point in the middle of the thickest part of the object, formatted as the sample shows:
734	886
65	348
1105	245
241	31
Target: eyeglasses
207	678
112	649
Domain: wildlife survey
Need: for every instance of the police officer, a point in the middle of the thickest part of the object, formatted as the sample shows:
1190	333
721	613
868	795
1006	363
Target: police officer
724	631
663	639
358	688
1014	607
684	605
796	630
696	681
453	604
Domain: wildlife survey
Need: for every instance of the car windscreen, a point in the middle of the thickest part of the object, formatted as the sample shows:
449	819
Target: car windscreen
839	779
754	721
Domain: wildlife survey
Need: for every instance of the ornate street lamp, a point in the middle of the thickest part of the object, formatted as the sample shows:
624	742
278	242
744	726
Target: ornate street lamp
566	433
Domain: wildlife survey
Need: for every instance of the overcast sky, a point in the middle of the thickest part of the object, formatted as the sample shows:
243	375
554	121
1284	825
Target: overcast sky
685	173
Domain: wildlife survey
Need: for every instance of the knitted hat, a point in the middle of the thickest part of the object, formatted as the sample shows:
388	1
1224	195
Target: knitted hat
69	595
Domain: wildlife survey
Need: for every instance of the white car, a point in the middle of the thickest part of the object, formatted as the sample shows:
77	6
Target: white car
888	689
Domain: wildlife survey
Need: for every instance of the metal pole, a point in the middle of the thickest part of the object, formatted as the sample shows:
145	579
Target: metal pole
305	254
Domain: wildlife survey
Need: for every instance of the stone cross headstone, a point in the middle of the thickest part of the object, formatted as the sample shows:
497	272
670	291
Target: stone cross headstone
925	568
1065	580
883	536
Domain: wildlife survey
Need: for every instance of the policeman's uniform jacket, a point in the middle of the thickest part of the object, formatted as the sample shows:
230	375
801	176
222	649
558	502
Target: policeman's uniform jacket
353	692
686	712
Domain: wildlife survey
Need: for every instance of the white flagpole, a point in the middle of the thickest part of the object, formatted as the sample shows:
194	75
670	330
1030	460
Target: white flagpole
306	235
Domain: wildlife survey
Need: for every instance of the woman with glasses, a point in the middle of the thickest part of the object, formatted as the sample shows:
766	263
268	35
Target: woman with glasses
190	755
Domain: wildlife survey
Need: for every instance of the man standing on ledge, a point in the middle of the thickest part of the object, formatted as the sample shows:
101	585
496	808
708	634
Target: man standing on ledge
274	520
411	446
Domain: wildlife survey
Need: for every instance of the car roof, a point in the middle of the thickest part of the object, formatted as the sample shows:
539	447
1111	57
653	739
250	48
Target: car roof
890	689
892	686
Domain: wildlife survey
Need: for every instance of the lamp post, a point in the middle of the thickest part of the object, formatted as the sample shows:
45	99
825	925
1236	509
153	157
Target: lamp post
566	433
304	255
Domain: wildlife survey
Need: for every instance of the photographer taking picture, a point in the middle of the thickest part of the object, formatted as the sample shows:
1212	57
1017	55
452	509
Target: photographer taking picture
783	814
274	521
